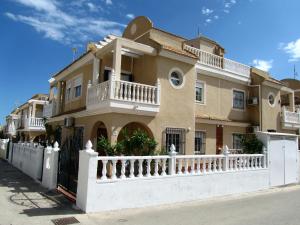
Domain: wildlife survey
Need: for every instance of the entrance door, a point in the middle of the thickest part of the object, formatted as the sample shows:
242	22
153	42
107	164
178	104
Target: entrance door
219	138
68	162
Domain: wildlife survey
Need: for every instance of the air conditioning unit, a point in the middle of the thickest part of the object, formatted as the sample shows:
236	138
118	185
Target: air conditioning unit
253	101
252	129
69	121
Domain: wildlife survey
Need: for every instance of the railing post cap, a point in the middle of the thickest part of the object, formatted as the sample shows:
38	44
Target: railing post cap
56	144
225	150
172	150
88	146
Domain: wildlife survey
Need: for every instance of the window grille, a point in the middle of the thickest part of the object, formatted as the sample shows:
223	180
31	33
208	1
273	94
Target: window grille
175	136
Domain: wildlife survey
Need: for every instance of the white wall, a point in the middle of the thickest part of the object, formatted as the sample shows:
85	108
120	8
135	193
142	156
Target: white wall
28	158
157	191
3	148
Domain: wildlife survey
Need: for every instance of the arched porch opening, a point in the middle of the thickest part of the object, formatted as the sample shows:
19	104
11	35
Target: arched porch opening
99	130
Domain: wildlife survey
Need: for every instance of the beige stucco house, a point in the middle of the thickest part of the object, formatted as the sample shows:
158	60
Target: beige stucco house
26	122
182	92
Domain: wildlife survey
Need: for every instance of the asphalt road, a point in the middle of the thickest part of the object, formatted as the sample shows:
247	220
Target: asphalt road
23	202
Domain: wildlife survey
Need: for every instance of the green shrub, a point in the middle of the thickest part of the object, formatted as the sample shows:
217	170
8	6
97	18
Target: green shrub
251	145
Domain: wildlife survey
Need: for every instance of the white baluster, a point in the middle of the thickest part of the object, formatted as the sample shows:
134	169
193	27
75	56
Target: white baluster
123	169
193	166
215	164
163	167
142	93
104	176
209	165
186	166
204	165
179	166
137	93
198	165
156	168
131	168
141	167
133	93
149	167
220	164
121	90
125	91
129	92
114	170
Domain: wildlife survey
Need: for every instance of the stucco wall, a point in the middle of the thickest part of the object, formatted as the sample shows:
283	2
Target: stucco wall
219	99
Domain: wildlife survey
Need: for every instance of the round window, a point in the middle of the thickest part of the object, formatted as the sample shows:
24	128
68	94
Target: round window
271	99
176	78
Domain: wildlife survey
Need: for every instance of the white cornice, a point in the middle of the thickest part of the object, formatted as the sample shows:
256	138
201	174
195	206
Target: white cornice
174	56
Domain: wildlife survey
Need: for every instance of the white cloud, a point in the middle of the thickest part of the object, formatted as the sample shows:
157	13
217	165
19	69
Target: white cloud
130	16
265	65
206	11
71	26
216	17
292	49
92	7
108	2
208	20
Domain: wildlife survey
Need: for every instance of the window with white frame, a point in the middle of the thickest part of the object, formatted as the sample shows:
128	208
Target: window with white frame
237	141
238	99
200	92
77	87
175	136
200	141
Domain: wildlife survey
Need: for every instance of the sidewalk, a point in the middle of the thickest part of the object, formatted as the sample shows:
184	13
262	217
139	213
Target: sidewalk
24	201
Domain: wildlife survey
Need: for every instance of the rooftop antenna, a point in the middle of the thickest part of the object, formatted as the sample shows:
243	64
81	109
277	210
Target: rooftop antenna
295	72
74	50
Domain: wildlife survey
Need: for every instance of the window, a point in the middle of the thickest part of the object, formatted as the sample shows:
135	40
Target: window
237	141
175	136
77	86
78	91
238	99
200	92
271	99
176	78
200	138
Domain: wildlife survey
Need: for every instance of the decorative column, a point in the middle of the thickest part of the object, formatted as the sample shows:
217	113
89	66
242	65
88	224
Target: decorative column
226	160
292	102
95	70
116	68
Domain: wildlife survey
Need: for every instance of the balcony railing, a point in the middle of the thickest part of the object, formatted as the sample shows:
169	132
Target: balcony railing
31	123
219	62
290	119
126	94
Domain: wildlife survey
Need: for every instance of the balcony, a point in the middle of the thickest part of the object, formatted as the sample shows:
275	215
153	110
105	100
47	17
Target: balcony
31	124
49	109
123	97
290	120
217	64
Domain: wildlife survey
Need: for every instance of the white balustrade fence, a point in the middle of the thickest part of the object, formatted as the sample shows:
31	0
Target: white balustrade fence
108	183
28	157
216	61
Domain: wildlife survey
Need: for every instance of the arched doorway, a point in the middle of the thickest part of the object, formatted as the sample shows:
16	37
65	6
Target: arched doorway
99	130
133	126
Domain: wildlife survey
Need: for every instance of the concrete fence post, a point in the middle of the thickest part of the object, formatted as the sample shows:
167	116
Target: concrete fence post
50	167
87	177
265	152
172	160
226	160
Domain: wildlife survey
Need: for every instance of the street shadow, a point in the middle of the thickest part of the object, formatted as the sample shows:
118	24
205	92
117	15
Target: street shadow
28	194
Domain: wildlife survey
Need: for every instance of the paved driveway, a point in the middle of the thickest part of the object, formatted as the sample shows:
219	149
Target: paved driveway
25	202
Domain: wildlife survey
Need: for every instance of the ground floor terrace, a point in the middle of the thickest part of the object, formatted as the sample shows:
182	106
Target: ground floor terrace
202	137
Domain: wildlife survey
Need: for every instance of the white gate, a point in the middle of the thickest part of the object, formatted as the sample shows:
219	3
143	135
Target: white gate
282	157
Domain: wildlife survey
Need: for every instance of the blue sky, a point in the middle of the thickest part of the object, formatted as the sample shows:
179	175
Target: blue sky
37	35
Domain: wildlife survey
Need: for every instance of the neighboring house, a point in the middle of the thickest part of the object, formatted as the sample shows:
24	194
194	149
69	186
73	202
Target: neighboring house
26	122
182	92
